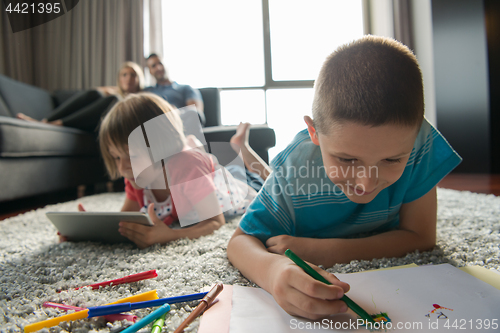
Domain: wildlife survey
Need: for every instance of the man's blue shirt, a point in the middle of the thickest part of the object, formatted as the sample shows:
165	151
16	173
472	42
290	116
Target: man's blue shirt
176	94
298	198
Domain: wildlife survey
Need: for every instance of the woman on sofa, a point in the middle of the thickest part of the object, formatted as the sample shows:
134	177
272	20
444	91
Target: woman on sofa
84	110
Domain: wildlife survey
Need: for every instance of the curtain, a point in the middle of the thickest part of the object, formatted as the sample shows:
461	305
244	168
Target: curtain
155	27
153	33
403	22
409	21
82	49
390	18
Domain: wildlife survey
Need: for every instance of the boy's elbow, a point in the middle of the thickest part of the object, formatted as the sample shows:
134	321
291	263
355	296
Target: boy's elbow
427	244
426	247
233	244
231	251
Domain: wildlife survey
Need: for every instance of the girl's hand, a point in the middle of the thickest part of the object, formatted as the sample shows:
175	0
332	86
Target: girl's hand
145	236
62	238
301	295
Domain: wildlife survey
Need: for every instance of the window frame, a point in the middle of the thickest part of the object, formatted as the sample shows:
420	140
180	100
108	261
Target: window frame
269	83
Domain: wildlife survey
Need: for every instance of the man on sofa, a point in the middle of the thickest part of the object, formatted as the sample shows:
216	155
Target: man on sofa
179	95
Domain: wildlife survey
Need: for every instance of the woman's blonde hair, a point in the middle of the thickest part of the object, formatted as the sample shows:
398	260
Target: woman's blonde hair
131	113
138	71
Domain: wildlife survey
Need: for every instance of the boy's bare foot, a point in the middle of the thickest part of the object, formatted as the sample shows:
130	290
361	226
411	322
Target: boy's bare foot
240	138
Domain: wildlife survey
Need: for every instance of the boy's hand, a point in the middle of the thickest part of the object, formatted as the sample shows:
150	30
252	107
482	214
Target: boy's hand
302	246
279	244
301	295
145	236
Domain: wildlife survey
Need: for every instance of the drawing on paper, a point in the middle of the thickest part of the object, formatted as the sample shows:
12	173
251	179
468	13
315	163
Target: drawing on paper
438	310
381	317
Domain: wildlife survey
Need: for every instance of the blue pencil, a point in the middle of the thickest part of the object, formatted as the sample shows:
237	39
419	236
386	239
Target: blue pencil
148	319
123	307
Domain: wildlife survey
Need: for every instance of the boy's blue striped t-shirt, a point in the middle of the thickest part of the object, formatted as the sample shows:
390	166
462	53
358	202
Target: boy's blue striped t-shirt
298	198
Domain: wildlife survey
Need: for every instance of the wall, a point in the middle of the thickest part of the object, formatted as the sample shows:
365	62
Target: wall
492	8
461	79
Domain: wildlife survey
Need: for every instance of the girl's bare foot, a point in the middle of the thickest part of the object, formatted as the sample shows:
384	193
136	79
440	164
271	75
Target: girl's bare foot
240	138
253	162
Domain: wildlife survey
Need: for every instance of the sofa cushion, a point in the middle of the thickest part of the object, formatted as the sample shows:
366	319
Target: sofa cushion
20	138
28	176
4	110
19	97
211	101
261	138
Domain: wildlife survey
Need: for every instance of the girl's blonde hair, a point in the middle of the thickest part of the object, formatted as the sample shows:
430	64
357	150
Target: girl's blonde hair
138	71
129	114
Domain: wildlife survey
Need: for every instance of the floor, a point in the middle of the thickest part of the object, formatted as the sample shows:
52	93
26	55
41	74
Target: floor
479	183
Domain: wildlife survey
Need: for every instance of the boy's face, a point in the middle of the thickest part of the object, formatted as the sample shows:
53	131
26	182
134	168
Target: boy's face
363	160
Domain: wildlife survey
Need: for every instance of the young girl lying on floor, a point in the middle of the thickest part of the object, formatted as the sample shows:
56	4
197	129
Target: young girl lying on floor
185	183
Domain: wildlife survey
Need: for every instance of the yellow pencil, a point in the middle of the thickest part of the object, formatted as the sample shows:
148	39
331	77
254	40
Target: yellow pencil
147	296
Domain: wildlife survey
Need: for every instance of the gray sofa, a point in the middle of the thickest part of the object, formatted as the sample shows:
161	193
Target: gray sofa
37	158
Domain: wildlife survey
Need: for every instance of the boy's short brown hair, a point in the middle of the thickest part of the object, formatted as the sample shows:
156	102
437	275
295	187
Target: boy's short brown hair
126	116
371	81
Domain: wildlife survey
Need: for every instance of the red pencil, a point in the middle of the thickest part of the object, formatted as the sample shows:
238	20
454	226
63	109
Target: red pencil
127	279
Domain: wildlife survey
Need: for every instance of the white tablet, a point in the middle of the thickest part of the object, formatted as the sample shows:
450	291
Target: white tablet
95	226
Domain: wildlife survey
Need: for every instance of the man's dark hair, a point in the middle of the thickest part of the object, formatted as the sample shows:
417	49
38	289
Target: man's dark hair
152	55
371	81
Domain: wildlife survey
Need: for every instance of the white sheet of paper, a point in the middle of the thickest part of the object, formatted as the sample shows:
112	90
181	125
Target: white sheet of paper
407	296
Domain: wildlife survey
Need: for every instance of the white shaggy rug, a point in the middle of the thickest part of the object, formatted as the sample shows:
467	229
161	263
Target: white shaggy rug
33	266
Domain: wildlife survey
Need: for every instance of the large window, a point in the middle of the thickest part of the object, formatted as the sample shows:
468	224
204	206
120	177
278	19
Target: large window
304	32
263	54
214	43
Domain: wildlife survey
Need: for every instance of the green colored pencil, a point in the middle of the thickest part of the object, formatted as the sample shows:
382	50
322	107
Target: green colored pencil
158	324
308	269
